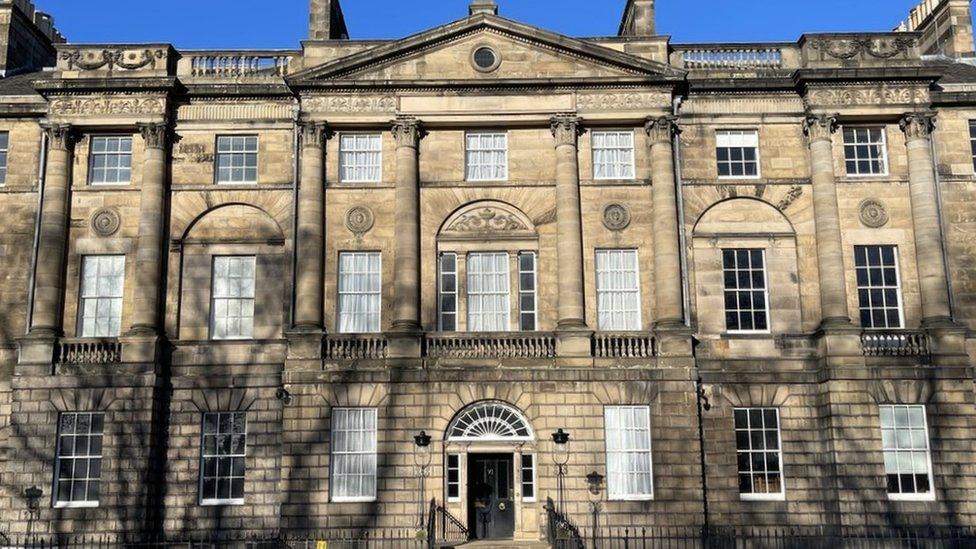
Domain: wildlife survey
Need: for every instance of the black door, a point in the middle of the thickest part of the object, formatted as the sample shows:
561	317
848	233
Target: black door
491	508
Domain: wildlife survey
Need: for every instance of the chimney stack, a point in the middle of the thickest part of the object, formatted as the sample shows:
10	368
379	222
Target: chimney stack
638	19
326	21
946	27
483	6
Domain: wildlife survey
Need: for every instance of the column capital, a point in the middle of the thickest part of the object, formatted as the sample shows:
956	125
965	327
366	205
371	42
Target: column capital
661	128
314	134
917	125
566	128
819	127
408	131
154	134
59	136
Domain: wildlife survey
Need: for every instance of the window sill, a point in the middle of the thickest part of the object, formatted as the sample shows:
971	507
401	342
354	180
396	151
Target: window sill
762	497
740	178
221	502
624	499
370	499
746	335
912	497
75	505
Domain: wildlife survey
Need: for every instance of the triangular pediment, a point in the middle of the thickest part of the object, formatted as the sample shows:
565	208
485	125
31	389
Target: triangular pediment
524	53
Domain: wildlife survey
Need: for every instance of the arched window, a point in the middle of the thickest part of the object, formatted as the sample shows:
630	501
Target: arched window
490	421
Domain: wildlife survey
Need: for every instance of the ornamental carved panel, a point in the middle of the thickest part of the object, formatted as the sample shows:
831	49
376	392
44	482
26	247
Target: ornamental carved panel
107	106
637	101
877	95
350	104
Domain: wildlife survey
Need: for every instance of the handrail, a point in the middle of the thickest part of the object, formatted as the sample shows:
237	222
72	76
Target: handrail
449	527
562	533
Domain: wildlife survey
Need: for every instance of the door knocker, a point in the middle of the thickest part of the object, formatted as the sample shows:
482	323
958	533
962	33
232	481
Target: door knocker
502	506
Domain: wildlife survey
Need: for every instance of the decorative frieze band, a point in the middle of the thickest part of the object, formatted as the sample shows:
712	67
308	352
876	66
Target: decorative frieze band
110	105
877	95
636	101
350	104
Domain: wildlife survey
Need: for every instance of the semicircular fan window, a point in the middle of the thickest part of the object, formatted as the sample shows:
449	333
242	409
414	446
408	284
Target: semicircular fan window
490	421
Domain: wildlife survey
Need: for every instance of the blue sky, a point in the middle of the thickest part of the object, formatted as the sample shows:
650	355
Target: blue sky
283	23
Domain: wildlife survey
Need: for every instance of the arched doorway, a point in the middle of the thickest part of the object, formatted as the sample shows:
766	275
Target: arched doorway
490	471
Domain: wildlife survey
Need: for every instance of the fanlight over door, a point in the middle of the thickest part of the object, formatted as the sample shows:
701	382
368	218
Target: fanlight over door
490	421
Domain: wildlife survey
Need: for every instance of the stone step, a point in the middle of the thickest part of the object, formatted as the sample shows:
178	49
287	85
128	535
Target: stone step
503	544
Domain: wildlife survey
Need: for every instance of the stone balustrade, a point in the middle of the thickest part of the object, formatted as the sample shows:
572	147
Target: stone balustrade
229	65
88	352
623	345
895	343
491	345
355	347
731	57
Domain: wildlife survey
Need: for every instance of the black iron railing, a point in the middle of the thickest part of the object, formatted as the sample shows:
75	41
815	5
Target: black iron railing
561	531
443	527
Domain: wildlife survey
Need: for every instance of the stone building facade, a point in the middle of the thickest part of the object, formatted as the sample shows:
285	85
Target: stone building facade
235	285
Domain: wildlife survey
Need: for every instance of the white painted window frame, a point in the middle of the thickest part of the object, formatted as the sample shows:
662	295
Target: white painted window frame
765	271
59	461
913	496
897	287
883	147
470	166
612	496
603	270
242	299
732	132
215	502
369	159
763	496
333	454
629	166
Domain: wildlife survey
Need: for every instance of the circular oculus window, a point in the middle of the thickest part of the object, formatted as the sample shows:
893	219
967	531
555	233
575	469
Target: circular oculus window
485	59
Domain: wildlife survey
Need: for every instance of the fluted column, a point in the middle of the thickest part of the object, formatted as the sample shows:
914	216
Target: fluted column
668	294
406	282
933	282
569	230
830	250
49	275
311	228
149	247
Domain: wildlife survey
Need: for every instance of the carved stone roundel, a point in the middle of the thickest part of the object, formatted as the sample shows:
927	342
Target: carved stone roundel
616	217
359	219
105	222
873	213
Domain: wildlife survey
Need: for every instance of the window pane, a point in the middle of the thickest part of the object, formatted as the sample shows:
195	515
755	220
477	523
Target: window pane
110	160
879	290
232	297
757	438
486	156
618	290
360	158
905	442
613	155
489	304
746	303
223	448
865	151
737	153
102	286
79	458
360	292
237	159
628	444
353	454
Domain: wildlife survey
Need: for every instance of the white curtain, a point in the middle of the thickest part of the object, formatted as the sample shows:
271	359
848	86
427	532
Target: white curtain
359	292
102	286
488	292
360	158
618	290
486	156
613	155
233	297
354	454
628	444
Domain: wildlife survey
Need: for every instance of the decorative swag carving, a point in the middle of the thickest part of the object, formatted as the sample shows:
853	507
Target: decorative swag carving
90	60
